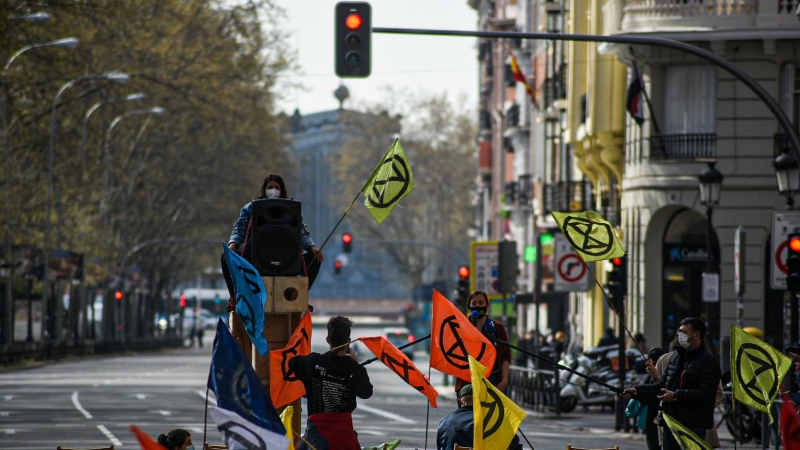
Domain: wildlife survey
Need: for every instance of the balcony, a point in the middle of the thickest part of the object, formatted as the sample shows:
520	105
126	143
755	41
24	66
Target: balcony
567	196
698	146
665	16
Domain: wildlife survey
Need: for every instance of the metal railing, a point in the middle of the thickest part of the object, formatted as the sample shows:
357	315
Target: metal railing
535	389
683	146
559	196
51	350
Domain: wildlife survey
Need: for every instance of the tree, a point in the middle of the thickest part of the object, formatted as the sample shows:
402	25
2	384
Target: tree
438	136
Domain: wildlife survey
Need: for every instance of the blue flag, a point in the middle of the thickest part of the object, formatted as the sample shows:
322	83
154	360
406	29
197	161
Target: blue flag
251	295
237	386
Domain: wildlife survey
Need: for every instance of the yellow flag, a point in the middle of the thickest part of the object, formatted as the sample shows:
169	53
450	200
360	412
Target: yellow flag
757	369
286	419
589	234
497	418
686	439
389	183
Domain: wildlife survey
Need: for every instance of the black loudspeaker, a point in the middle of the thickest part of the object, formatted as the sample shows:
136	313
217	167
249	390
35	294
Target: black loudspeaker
275	248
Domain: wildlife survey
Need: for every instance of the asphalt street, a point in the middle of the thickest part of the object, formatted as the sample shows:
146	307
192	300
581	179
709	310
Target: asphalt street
92	402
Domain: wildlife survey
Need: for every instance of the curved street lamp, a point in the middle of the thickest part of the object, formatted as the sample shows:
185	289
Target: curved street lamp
69	43
117	77
107	175
127	98
788	173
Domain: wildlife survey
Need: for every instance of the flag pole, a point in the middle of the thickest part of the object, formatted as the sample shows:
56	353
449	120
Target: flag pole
644	92
205	418
336	226
400	348
611	305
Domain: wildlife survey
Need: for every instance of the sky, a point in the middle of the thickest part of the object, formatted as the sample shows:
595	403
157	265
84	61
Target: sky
421	64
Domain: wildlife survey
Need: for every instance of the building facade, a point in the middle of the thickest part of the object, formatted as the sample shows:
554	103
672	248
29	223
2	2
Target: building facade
576	148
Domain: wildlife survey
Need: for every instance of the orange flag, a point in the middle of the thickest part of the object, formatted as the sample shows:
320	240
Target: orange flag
145	441
284	387
454	338
396	360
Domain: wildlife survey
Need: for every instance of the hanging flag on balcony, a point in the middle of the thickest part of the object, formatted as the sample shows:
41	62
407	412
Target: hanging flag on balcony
635	99
519	77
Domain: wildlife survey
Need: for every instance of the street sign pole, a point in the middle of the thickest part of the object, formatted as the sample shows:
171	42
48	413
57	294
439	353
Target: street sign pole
739	262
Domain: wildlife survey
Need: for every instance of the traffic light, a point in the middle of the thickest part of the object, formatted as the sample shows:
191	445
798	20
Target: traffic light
183	301
617	283
463	283
793	263
337	267
347	242
118	296
353	39
507	266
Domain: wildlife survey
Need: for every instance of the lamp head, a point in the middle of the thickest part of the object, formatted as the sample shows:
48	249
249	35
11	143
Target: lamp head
70	43
710	184
136	96
788	172
118	77
39	17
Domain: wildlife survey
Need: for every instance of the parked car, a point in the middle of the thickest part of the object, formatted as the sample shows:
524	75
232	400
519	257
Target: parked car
207	319
399	337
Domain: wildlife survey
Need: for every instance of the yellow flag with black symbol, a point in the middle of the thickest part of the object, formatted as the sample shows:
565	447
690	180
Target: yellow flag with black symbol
757	369
686	439
497	418
389	183
589	234
286	419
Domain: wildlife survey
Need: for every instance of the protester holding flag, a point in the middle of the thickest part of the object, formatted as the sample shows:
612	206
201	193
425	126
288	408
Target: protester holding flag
332	380
177	439
478	303
688	386
274	187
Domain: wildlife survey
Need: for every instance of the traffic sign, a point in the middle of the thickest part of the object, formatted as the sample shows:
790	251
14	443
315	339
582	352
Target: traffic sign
783	223
484	258
571	273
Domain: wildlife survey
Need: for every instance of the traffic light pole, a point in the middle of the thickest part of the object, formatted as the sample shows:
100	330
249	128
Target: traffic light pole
711	57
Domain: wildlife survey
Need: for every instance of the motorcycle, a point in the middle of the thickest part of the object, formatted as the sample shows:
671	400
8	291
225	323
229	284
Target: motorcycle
597	363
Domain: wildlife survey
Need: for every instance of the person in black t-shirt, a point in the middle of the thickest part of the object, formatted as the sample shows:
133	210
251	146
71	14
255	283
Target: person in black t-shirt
332	380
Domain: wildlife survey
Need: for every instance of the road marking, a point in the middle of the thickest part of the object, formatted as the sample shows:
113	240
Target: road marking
372	432
162	412
116	442
140	396
8	430
8	397
386	414
78	405
211	397
4	413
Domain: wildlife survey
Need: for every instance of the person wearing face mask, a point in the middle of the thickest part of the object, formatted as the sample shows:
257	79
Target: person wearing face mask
177	439
273	187
478	304
687	388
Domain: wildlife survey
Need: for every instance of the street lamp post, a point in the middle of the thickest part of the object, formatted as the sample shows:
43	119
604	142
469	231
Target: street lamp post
788	173
710	185
113	76
69	43
107	173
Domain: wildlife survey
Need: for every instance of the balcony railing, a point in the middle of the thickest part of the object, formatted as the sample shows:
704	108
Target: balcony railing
683	146
664	15
567	196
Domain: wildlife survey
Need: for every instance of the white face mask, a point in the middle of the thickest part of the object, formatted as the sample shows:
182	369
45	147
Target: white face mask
273	193
683	340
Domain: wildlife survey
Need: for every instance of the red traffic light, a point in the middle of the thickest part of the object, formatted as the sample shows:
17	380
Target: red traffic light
347	238
118	295
353	21
794	244
183	301
337	265
463	272
617	261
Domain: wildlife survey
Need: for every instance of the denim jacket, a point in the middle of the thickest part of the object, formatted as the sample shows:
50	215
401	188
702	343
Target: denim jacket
240	229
